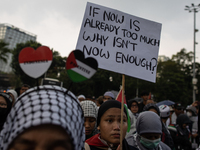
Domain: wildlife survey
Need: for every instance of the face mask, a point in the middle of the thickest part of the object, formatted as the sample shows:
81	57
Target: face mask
189	114
149	143
3	114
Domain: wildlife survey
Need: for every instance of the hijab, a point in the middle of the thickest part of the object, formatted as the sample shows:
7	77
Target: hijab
5	111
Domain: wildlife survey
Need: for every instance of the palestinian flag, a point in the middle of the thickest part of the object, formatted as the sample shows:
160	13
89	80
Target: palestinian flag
79	68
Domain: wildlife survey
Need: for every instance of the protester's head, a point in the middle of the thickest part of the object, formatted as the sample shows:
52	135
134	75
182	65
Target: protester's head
133	105
5	107
164	112
90	115
178	108
183	121
24	88
149	129
46	117
13	94
152	107
108	96
81	98
144	96
99	101
108	122
191	111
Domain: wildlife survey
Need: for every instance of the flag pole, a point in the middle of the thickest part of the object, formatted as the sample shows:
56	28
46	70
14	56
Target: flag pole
122	111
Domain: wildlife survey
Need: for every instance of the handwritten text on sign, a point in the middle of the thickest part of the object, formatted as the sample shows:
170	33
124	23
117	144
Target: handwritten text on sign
120	42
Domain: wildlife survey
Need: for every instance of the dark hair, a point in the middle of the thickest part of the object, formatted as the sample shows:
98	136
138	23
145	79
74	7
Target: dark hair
25	85
100	100
144	93
150	106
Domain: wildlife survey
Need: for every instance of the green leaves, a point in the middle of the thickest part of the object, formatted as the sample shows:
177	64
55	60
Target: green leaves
4	51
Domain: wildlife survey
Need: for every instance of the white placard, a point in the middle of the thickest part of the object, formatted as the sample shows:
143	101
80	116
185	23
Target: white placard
120	42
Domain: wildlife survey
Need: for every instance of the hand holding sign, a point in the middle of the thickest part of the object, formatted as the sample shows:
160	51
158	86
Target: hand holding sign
79	68
35	62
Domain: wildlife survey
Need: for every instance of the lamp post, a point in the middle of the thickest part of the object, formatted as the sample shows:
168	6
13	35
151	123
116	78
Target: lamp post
195	9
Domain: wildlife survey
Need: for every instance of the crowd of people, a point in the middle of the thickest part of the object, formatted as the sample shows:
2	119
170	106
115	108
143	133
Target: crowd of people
52	117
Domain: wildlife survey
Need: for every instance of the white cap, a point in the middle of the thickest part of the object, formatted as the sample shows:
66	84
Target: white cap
81	96
109	94
164	111
14	93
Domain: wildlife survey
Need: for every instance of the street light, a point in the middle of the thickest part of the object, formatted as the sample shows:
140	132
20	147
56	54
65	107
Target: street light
195	9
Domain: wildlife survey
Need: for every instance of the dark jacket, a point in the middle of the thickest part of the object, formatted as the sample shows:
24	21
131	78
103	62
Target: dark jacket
181	135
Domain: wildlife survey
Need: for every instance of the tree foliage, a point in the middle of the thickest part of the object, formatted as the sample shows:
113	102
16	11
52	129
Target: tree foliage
4	51
173	81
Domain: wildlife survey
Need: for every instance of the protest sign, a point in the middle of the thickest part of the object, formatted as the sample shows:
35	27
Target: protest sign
35	62
120	42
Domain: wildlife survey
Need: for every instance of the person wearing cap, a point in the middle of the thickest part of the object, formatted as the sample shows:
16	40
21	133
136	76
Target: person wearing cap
81	98
45	117
108	96
191	112
13	95
144	96
180	133
108	123
5	107
178	109
164	115
90	116
148	135
165	137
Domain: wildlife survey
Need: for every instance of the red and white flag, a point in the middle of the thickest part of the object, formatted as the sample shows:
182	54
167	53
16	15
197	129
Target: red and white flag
119	97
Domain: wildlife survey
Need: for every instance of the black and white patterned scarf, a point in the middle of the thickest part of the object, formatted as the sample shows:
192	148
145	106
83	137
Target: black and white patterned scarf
45	105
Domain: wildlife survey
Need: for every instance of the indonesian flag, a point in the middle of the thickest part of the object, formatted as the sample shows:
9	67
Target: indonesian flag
119	97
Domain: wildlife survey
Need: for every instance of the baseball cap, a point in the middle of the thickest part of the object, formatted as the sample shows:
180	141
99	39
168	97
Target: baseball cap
178	106
164	111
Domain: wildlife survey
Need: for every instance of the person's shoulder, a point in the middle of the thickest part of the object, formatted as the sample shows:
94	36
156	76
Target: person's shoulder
164	146
89	147
172	127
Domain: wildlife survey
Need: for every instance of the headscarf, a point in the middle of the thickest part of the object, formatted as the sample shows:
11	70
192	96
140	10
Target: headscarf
107	105
148	122
131	101
108	93
45	105
14	93
89	108
182	119
5	111
193	110
81	96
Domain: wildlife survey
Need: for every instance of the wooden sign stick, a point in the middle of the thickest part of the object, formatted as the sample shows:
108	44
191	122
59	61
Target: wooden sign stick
122	112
